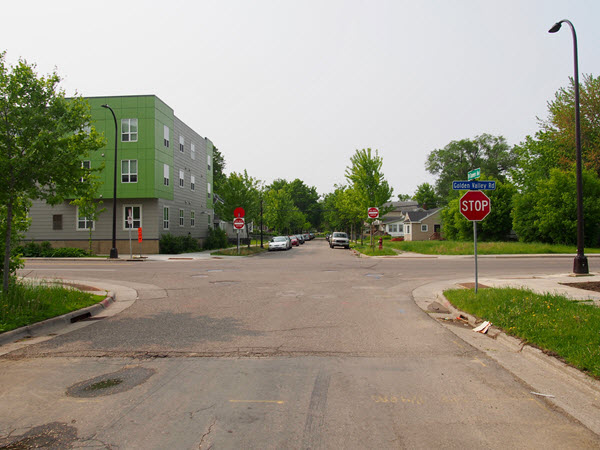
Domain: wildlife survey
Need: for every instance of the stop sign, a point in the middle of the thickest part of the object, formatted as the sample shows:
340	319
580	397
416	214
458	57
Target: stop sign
239	212
373	213
475	205
238	223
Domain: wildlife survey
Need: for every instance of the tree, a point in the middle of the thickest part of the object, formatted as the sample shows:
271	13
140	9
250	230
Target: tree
218	170
87	205
368	185
240	190
490	153
404	197
560	123
42	142
548	213
279	209
426	197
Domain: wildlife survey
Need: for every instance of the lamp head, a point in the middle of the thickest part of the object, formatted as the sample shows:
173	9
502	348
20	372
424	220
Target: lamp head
105	106
555	27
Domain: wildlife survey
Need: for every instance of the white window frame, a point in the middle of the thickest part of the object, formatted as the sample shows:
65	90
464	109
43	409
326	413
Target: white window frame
208	189
166	173
137	222
181	178
192	218
208	162
181	144
166	218
192	151
192	182
132	136
424	228
166	132
181	217
129	174
86	221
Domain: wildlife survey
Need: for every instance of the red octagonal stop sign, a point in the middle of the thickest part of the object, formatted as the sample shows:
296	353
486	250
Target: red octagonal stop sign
475	205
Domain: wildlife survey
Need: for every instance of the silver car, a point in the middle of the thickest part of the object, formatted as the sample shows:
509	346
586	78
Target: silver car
339	239
280	243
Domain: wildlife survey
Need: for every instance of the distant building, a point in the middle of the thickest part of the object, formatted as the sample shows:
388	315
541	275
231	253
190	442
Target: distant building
164	180
423	225
393	222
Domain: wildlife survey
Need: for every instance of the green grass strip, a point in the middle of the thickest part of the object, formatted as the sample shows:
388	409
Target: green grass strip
566	328
484	248
25	304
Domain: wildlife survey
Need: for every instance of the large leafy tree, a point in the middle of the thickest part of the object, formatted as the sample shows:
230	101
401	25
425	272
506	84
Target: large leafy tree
453	162
548	212
43	138
370	189
279	209
219	176
239	190
305	198
426	197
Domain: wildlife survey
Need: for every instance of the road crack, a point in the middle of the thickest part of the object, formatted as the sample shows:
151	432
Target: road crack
205	435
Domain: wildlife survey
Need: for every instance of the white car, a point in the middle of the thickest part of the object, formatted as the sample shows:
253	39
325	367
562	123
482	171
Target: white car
280	243
339	239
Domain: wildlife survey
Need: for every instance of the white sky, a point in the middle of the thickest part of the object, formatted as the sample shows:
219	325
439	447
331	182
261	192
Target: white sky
290	89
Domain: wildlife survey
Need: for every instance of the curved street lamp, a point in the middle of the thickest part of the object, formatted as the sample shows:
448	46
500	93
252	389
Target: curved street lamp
113	251
580	264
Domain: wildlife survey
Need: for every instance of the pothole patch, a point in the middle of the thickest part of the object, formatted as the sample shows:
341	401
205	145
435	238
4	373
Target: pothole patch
51	435
111	383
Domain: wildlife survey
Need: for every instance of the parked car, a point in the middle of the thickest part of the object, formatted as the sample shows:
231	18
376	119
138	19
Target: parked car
280	243
312	236
295	242
300	238
339	239
306	236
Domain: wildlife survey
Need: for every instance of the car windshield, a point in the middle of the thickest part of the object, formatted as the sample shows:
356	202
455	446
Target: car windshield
341	235
279	239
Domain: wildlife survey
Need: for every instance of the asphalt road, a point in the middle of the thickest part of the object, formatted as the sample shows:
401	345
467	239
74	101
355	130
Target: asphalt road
309	348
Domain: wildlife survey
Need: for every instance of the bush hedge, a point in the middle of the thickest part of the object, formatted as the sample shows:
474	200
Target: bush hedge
171	245
45	250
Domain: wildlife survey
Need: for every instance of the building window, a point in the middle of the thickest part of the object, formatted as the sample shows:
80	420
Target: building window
181	217
181	178
401	228
129	130
166	136
424	228
193	151
129	171
57	222
83	223
166	174
181	142
135	212
165	217
208	162
192	182
208	193
407	229
86	165
192	218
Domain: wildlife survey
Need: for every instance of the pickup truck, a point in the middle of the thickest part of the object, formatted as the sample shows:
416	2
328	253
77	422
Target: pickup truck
339	239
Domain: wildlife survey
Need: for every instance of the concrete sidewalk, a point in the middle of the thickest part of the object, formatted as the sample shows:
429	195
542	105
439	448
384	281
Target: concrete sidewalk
561	385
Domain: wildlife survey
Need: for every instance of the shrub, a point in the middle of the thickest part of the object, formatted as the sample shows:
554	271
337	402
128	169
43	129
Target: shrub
398	239
170	244
68	252
217	238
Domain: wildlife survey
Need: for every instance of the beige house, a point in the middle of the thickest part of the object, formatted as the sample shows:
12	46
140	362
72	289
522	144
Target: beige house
422	225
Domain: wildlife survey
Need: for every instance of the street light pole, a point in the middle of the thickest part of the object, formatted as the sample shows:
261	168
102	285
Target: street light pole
113	251
580	264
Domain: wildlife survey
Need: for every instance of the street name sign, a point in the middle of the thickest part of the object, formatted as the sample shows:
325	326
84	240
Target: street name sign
474	185
474	174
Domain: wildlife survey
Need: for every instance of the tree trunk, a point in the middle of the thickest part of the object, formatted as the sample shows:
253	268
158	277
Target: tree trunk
6	266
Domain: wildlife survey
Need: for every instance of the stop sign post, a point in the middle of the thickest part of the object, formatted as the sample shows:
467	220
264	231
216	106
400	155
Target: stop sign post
475	206
238	224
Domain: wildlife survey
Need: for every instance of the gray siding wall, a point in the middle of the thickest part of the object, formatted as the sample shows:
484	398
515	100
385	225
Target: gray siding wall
183	197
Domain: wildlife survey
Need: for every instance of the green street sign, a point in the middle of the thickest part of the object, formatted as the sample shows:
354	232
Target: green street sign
474	174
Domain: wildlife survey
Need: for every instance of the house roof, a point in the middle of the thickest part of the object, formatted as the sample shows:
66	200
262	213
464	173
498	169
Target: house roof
391	219
404	206
419	216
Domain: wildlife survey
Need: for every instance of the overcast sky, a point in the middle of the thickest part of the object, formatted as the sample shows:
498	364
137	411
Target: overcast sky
290	89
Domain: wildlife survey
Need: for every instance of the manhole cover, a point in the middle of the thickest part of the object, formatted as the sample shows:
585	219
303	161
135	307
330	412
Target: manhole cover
111	383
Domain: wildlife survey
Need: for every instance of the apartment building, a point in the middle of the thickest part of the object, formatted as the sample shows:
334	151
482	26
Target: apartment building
164	181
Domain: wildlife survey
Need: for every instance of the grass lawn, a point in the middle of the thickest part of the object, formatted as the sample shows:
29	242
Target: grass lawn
26	304
563	327
244	251
483	248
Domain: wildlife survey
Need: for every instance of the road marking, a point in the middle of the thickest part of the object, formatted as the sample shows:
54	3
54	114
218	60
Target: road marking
460	345
479	361
279	402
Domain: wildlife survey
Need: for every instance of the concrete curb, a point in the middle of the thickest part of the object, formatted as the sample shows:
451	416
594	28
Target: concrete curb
54	323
